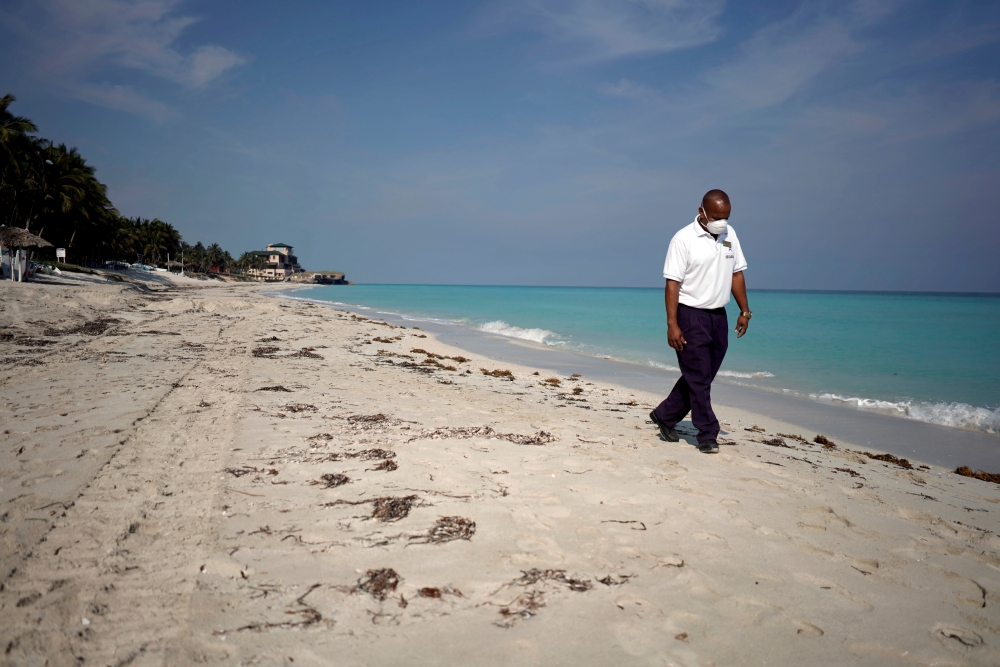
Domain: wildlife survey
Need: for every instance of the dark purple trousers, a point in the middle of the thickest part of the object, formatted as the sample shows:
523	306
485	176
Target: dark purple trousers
707	336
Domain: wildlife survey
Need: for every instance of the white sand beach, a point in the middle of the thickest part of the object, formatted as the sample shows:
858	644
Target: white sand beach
205	474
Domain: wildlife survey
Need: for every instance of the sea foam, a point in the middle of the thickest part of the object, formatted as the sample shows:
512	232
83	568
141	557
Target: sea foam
503	329
728	374
749	376
961	415
665	367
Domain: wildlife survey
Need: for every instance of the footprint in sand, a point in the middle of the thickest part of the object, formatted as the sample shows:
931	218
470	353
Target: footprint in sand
807	629
955	636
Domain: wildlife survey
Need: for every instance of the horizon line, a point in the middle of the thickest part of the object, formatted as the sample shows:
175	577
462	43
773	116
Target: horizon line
755	289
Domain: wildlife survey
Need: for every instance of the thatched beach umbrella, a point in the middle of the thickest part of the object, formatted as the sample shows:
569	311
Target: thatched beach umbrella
15	237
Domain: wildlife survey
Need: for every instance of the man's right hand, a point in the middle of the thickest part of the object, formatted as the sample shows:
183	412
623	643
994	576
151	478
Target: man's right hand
675	338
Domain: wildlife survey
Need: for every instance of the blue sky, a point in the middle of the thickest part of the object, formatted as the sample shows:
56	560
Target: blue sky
538	141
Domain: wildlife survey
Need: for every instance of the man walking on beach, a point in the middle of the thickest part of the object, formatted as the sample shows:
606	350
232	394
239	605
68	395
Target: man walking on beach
704	265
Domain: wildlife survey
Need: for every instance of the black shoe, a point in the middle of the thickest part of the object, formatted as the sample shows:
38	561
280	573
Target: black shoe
708	447
666	432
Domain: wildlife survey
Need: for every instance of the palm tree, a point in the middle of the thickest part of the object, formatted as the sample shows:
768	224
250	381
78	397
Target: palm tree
217	258
194	257
68	195
250	260
10	125
122	239
50	189
171	237
15	145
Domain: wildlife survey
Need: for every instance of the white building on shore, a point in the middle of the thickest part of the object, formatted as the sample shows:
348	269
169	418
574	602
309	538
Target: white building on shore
279	262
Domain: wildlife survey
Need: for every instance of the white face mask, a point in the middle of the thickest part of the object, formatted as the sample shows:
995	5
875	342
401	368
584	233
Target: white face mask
716	226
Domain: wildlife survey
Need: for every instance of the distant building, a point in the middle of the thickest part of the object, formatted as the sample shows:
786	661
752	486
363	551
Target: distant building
279	262
321	278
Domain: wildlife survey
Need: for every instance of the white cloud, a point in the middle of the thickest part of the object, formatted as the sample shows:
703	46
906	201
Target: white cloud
208	62
585	31
78	35
780	59
122	98
72	42
773	64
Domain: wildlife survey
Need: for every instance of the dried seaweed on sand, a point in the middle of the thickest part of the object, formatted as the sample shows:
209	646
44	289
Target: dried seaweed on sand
528	603
534	575
265	351
369	421
298	407
248	470
431	355
372	454
386	509
498	373
437	364
388	466
306	353
92	328
436	593
464	432
825	441
889	458
447	529
378	583
966	471
310	616
330	480
524	606
276	387
392	508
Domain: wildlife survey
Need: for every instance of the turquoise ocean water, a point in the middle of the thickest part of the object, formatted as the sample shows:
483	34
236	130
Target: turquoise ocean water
932	357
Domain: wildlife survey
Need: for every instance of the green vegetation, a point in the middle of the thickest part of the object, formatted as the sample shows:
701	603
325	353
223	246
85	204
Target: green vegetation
51	191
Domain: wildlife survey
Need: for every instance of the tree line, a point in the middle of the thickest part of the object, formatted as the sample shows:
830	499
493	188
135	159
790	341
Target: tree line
51	191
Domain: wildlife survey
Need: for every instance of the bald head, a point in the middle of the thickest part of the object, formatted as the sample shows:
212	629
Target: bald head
715	204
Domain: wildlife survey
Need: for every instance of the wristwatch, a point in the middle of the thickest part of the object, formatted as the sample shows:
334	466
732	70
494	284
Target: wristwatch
746	313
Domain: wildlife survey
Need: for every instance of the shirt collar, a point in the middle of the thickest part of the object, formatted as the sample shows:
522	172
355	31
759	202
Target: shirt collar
699	230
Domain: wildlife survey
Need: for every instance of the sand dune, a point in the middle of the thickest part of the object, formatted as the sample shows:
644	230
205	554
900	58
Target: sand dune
214	475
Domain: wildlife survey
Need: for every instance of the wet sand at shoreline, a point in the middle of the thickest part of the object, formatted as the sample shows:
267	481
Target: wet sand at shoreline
214	475
937	444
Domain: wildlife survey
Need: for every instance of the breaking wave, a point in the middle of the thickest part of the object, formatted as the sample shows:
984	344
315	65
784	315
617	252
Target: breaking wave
961	415
728	374
664	367
749	376
534	335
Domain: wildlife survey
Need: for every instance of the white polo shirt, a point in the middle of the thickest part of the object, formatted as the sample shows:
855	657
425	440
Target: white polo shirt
704	266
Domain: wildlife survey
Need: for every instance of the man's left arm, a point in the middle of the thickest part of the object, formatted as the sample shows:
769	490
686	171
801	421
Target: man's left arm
740	294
